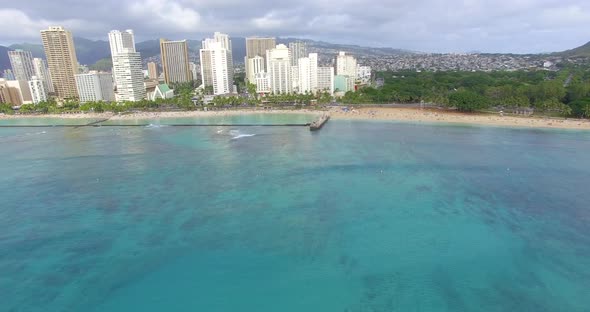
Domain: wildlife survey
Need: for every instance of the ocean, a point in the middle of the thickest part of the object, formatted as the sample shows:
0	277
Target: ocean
360	216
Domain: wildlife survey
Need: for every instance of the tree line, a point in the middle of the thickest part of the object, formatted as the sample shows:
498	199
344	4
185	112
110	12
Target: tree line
565	93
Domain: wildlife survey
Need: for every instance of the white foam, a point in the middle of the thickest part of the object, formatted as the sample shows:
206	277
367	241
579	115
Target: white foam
239	136
155	126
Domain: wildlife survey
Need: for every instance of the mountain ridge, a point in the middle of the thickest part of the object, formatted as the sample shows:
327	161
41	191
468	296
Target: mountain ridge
581	51
89	51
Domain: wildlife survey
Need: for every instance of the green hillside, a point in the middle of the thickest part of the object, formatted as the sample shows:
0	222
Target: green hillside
583	51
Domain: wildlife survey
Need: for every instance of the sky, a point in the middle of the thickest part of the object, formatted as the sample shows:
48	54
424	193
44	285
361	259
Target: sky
507	26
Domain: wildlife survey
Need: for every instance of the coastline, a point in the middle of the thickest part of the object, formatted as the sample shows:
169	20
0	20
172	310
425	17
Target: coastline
416	115
432	115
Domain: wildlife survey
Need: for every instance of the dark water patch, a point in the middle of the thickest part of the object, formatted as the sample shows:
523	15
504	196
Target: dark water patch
91	246
445	286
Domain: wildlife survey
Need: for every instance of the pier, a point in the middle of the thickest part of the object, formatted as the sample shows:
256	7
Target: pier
95	123
319	123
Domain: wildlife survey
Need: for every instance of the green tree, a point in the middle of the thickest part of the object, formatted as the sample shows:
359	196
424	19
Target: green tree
6	108
580	108
468	101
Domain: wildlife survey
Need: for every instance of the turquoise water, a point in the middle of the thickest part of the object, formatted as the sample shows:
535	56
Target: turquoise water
361	216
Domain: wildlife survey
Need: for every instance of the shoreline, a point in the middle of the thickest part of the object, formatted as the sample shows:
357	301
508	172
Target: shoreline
415	115
441	116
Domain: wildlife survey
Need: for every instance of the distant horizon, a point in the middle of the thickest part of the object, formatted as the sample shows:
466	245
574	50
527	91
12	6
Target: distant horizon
472	51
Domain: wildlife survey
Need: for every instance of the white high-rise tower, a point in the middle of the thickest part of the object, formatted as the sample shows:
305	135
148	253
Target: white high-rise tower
127	67
216	63
120	40
279	69
42	73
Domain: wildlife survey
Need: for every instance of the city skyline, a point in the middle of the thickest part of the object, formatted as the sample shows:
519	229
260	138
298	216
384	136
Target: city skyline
523	26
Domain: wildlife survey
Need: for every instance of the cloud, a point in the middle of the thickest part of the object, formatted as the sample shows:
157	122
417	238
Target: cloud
22	27
425	25
169	14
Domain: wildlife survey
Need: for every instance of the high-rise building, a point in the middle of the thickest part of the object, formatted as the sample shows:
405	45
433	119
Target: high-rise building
9	93
152	70
15	92
262	83
255	66
307	74
121	40
216	64
343	83
129	76
194	70
346	65
95	86
118	41
8	75
37	89
214	69
226	44
257	47
61	59
303	76
127	68
175	61
297	49
326	79
313	72
42	73
279	69
295	79
363	74
22	64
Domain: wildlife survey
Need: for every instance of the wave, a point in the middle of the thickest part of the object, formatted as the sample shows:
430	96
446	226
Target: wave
236	134
155	126
239	136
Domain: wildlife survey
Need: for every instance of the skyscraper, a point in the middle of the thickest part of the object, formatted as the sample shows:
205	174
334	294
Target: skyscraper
129	76
326	79
61	59
306	74
255	66
37	89
279	69
216	64
175	63
120	40
313	72
22	64
10	93
8	75
257	47
152	70
42	73
194	70
346	65
226	44
127	67
95	86
297	49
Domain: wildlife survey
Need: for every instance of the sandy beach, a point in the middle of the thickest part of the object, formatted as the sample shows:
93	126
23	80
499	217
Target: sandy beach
445	116
364	113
